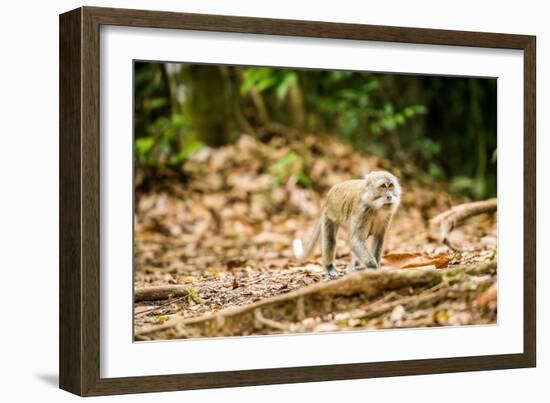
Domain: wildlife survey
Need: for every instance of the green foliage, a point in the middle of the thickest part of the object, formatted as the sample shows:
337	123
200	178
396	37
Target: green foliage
193	297
440	128
144	145
389	119
350	103
265	78
167	144
289	166
427	147
468	185
188	149
162	137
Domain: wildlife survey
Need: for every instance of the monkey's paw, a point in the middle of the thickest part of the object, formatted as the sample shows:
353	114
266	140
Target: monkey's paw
332	272
372	265
355	267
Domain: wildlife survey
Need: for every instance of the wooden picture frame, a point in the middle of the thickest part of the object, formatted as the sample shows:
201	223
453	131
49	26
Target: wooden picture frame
80	199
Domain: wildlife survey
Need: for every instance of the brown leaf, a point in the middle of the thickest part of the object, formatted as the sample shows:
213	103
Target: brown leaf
271	238
280	262
404	260
489	296
231	264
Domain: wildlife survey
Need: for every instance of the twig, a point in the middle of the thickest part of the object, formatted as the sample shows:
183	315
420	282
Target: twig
172	301
160	292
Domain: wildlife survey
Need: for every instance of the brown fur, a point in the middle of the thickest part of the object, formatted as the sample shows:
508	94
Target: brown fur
363	207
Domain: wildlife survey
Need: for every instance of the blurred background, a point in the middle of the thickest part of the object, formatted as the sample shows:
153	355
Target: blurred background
433	128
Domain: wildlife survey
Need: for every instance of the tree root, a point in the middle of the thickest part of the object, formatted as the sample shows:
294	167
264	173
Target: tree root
359	289
435	294
454	217
268	322
443	292
160	292
315	300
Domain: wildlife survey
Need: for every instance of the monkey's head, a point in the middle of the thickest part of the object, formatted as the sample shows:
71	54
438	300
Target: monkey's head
383	190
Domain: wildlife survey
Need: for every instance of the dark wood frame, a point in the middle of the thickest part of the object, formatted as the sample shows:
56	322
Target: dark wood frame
79	200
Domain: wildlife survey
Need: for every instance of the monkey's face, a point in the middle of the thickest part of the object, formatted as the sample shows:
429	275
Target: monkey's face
384	190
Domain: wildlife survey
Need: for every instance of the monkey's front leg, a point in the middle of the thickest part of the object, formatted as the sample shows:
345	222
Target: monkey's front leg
378	242
360	248
328	244
355	264
377	246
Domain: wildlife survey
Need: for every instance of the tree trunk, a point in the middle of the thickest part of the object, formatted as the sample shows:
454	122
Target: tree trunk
209	104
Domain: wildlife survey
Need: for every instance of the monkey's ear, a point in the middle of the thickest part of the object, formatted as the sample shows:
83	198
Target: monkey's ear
367	177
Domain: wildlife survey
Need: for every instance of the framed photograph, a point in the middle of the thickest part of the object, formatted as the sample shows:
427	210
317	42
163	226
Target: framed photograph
249	201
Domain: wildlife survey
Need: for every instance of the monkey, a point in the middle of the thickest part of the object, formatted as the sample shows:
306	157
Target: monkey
364	207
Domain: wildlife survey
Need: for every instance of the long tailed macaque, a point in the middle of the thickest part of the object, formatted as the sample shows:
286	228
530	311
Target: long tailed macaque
365	208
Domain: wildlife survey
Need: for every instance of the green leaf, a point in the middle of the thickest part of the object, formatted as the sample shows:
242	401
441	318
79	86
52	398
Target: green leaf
280	166
461	183
289	80
143	145
157	103
388	109
303	179
414	110
189	149
264	83
435	170
161	319
371	86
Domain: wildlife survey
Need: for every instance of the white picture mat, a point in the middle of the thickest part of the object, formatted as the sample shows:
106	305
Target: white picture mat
120	356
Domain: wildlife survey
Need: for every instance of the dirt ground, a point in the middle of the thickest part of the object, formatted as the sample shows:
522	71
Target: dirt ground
223	228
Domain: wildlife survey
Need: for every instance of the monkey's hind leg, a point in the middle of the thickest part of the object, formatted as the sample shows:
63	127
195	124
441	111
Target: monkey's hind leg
328	244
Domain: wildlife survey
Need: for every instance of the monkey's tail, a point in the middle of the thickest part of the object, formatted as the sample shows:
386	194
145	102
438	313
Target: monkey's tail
299	252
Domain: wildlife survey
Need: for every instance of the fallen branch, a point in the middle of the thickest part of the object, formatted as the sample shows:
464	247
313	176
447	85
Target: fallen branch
160	292
157	307
314	300
454	217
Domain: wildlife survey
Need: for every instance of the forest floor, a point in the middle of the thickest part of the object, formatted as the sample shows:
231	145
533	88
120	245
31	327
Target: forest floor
221	230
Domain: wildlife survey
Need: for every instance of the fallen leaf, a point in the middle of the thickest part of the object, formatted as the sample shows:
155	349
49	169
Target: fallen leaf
186	279
490	295
271	238
161	319
404	260
442	317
